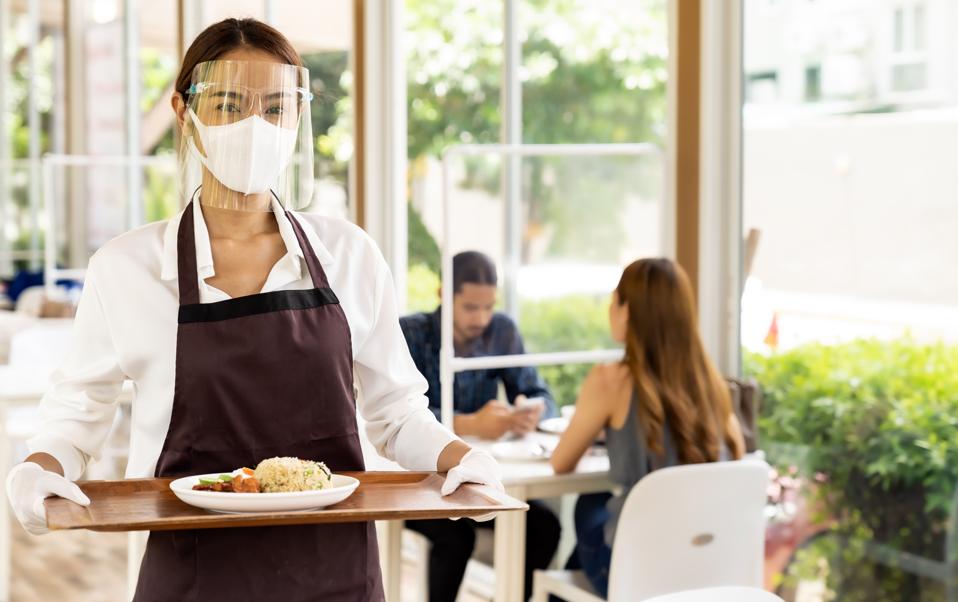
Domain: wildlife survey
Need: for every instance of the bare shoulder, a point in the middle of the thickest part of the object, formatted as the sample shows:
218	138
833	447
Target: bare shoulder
611	376
607	381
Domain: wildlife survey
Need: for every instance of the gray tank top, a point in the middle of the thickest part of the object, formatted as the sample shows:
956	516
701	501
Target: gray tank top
630	460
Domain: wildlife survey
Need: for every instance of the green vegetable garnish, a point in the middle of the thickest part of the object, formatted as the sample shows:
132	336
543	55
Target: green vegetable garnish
226	477
207	481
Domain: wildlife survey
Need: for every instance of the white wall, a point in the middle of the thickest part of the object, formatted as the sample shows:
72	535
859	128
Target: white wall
865	206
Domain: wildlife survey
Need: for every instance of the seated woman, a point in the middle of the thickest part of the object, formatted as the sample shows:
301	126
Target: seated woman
664	404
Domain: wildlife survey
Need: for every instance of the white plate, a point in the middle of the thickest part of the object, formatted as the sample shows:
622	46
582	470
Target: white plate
556	425
520	451
221	501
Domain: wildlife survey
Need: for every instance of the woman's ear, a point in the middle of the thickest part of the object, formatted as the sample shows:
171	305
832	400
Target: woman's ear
179	108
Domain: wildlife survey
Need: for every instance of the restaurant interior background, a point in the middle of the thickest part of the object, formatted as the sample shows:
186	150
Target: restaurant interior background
796	156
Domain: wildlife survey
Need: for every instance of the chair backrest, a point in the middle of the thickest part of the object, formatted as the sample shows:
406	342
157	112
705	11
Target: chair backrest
719	594
746	401
689	527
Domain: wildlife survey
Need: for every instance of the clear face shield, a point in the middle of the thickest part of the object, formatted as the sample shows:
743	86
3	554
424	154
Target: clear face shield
247	136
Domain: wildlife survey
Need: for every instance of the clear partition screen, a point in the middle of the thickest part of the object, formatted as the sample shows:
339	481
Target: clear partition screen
560	236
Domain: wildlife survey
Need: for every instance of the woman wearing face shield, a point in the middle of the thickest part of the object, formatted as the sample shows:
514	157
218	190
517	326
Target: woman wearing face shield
244	326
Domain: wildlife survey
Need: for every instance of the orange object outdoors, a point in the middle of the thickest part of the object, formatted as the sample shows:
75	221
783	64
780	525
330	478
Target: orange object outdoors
771	339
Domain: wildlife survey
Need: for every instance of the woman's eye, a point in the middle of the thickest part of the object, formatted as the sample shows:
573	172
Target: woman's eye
228	107
277	110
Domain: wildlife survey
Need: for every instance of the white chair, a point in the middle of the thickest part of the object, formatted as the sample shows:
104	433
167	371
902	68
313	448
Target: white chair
719	594
681	528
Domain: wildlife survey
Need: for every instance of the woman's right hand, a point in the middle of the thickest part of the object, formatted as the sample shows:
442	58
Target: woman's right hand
28	484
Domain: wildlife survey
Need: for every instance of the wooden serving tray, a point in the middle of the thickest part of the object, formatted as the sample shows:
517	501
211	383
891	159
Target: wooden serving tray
149	505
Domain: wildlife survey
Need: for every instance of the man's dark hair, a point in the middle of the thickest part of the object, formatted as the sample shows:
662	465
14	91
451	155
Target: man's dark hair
472	267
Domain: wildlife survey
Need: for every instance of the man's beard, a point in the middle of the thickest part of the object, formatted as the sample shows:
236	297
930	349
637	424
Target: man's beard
470	335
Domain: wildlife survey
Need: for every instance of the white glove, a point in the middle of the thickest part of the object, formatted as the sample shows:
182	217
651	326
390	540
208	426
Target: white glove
476	466
28	484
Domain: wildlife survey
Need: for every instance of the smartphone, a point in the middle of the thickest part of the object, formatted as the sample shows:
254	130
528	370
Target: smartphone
530	404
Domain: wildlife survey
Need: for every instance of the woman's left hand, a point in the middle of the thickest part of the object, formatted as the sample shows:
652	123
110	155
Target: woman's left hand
476	466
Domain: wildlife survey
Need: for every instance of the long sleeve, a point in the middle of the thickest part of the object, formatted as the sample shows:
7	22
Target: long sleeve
523	380
392	400
426	358
78	410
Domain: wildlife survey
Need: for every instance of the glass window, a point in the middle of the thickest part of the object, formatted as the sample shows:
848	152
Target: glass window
454	78
850	310
909	77
918	26
813	83
33	125
899	29
590	72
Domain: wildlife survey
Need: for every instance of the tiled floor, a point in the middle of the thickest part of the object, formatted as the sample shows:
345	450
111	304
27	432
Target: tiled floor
78	566
81	566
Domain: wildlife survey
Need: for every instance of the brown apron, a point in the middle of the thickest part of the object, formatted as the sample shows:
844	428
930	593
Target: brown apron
261	376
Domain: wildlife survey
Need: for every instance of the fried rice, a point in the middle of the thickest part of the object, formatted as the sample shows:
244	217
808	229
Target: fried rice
292	474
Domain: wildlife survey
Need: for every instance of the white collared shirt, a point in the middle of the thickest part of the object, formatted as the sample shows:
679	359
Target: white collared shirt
125	329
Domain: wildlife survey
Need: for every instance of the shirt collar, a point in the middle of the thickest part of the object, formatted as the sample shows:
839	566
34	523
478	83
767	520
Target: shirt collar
204	254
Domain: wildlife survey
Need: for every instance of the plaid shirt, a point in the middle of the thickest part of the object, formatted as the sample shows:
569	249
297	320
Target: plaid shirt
472	389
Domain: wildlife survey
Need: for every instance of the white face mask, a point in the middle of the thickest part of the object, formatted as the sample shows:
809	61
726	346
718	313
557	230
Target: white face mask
246	156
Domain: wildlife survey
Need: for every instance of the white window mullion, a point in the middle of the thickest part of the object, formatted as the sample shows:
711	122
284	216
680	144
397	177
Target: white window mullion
385	136
511	101
720	217
6	262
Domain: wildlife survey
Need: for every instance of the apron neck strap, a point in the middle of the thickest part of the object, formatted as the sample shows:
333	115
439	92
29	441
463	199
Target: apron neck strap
316	271
186	259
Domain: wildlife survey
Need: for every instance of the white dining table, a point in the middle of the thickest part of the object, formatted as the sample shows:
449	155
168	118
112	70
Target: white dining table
523	480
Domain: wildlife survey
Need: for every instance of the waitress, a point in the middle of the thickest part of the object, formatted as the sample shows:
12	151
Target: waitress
244	327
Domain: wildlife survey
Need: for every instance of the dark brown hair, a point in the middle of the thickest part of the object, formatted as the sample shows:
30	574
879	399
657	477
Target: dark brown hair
675	381
472	267
230	34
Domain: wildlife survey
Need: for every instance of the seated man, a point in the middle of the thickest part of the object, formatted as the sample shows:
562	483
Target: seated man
479	331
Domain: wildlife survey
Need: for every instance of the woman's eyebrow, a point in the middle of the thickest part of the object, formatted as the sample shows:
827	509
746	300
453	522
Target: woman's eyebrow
231	93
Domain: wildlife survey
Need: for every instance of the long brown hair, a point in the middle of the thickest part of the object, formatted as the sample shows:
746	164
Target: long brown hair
230	34
673	376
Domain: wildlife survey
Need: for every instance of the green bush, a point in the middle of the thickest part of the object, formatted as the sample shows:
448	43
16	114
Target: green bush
422	289
877	420
572	323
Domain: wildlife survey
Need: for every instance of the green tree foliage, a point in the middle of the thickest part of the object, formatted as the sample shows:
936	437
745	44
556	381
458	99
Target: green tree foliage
587	76
331	82
572	323
423	250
